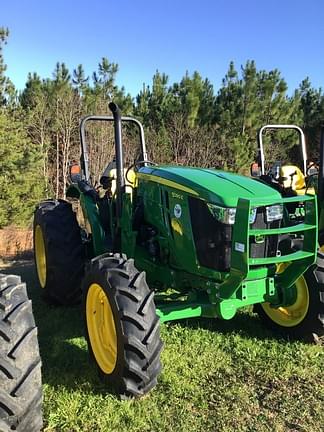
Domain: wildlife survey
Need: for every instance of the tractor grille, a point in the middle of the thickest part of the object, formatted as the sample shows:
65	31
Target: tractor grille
213	239
269	246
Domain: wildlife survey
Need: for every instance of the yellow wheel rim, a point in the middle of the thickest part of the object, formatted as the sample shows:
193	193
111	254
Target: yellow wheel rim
291	316
40	256
101	328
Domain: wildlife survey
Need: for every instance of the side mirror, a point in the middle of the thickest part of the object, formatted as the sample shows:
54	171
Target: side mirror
255	170
75	172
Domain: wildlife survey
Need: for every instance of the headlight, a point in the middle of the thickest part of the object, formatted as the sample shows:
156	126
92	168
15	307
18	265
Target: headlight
226	215
274	212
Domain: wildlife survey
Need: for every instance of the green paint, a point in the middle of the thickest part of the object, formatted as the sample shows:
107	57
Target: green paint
214	186
162	243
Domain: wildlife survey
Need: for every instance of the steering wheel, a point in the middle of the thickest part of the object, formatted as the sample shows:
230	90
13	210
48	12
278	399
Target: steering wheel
134	165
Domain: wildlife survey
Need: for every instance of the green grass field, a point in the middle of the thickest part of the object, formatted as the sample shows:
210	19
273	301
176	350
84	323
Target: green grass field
217	376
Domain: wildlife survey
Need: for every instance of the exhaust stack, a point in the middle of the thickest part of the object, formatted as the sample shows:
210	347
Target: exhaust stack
120	183
321	168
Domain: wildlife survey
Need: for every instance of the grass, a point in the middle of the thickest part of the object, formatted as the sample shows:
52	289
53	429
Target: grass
217	376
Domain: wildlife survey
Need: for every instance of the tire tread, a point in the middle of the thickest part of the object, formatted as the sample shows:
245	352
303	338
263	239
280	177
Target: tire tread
138	326
20	363
65	253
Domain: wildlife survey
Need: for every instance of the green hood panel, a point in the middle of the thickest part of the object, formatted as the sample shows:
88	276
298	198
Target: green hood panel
219	187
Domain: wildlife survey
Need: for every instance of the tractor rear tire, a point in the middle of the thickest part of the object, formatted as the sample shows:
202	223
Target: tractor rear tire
59	252
20	364
122	327
311	327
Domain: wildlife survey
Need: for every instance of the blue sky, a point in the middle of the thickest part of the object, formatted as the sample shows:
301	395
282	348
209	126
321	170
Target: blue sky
171	36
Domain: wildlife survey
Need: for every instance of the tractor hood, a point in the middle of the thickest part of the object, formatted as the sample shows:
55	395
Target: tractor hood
219	187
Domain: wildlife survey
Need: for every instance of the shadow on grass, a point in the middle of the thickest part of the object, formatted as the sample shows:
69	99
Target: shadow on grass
61	335
246	324
63	348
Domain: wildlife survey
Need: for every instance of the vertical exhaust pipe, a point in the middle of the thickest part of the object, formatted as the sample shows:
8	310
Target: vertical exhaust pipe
120	182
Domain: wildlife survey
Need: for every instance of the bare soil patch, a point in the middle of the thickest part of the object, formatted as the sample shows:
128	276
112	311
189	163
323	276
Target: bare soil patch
16	242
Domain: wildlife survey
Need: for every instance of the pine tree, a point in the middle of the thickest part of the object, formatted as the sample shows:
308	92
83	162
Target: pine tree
104	79
61	75
190	92
32	91
80	80
7	89
312	107
159	100
206	112
142	104
245	104
20	187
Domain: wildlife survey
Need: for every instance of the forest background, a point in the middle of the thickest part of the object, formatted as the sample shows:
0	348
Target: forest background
186	122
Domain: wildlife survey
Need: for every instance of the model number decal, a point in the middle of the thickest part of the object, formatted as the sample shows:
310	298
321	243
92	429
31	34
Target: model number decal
176	195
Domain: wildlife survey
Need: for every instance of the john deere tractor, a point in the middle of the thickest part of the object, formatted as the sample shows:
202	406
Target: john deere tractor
293	180
160	243
290	179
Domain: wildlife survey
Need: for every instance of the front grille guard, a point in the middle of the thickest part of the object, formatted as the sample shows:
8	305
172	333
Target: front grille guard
242	264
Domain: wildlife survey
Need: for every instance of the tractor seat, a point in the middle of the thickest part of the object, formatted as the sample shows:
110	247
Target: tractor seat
293	178
130	181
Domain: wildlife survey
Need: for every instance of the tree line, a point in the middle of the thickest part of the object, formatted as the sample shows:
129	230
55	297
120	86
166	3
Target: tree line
186	122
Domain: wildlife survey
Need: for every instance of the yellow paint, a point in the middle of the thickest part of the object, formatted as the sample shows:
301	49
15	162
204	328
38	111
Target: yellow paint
101	328
294	177
290	316
166	182
176	226
130	181
40	256
310	191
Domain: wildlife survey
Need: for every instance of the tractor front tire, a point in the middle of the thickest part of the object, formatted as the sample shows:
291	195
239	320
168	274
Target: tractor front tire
59	252
305	318
20	364
122	327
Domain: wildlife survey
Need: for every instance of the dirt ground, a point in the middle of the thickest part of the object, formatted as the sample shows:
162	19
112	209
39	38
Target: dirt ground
16	242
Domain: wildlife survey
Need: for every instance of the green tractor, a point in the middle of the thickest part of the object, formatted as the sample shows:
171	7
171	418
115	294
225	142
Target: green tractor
291	180
161	243
288	178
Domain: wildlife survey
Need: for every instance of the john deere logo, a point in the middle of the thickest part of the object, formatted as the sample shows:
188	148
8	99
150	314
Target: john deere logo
177	211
